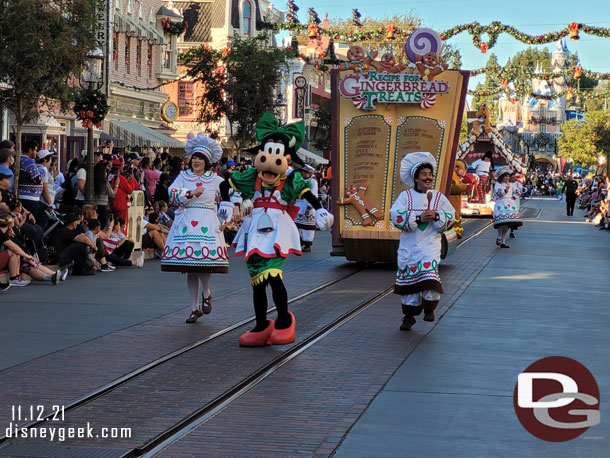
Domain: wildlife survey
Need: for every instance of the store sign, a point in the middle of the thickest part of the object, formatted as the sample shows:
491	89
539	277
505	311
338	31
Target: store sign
388	88
300	86
101	31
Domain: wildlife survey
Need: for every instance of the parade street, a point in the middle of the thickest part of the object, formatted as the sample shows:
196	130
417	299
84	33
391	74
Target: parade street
116	353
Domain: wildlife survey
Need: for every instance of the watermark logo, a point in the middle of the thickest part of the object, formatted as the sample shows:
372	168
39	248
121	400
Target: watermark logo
557	399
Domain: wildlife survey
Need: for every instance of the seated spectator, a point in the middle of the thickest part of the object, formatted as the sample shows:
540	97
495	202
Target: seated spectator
72	247
161	208
11	254
98	258
7	159
118	247
154	234
161	192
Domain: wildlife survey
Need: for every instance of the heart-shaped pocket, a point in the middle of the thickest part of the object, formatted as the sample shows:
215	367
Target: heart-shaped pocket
199	185
427	265
413	268
197	253
204	230
194	223
400	219
212	252
422	226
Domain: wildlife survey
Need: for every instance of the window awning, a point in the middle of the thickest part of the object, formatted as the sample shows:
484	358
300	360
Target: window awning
311	158
137	135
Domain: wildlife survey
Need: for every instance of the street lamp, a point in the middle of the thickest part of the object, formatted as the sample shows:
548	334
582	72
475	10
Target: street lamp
91	80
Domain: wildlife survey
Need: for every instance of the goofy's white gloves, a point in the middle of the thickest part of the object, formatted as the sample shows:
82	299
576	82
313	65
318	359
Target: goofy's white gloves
324	220
225	211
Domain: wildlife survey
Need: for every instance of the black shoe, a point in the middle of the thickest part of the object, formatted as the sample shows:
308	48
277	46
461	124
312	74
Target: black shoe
407	323
498	242
194	316
512	236
504	245
4	286
206	306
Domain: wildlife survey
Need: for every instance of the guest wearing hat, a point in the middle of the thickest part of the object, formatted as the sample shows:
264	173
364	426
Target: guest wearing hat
7	159
306	218
47	198
506	214
422	214
230	168
195	243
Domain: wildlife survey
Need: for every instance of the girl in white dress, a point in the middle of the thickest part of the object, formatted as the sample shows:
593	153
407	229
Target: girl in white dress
195	243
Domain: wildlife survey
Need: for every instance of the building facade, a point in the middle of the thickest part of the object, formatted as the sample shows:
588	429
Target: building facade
211	23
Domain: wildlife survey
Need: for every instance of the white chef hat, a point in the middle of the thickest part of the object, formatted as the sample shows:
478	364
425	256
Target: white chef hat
205	145
413	161
502	171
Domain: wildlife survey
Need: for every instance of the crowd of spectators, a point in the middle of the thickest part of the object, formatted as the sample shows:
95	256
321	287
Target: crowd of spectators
48	222
594	199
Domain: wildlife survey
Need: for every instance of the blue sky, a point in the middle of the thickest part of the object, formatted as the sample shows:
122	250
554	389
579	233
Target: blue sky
528	16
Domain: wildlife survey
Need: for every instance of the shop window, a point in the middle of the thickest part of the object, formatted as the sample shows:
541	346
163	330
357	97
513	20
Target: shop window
139	57
127	52
247	16
186	99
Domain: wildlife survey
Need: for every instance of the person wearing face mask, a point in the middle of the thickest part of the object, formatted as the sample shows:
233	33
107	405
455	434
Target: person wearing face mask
195	244
422	214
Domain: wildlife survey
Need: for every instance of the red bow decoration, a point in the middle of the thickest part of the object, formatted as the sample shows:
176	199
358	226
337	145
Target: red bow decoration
484	48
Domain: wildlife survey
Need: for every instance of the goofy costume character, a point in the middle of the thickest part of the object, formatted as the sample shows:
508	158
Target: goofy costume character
269	234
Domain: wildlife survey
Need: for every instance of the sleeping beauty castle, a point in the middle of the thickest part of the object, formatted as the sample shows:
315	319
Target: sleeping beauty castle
537	120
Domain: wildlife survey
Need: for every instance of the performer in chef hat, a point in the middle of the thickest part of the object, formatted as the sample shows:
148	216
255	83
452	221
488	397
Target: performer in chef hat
422	214
506	214
195	244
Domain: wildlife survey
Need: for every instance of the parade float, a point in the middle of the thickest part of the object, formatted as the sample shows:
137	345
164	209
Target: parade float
382	111
482	137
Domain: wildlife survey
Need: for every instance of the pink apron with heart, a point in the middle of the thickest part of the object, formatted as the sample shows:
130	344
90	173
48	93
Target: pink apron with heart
195	242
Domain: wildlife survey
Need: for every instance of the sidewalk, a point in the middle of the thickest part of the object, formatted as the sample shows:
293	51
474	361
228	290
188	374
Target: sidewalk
453	397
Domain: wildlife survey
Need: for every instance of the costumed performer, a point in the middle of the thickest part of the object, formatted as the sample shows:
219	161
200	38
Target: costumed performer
517	188
505	215
458	187
269	235
422	214
482	168
306	218
195	243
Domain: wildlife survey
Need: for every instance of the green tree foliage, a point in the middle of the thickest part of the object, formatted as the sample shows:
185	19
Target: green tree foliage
585	140
321	131
491	84
239	84
43	44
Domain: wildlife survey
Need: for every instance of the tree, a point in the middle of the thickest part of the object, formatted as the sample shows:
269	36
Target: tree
586	139
239	84
42	46
491	85
321	139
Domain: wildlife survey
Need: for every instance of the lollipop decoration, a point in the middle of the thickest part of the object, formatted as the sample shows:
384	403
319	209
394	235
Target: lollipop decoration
423	48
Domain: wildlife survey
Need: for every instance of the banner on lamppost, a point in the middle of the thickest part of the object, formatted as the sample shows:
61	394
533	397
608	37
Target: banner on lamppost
101	32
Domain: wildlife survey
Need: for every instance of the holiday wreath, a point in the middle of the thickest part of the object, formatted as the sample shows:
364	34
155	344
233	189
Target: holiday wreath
91	108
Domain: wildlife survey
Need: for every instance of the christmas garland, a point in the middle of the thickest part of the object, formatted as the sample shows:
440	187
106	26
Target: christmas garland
569	93
511	72
173	28
91	107
475	29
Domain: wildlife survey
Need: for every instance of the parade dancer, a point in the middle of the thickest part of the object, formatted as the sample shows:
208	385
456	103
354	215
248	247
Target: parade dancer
195	243
482	169
306	219
422	214
269	235
517	189
505	215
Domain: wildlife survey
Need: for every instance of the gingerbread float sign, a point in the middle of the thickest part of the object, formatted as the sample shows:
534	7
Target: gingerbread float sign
382	110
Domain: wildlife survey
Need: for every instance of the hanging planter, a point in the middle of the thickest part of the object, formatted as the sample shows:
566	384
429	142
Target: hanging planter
91	107
173	28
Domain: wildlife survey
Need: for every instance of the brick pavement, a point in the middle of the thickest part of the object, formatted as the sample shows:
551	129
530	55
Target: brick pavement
158	399
308	405
65	375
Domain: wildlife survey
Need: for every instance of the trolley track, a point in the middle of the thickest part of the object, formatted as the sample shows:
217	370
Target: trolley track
211	408
110	386
162	441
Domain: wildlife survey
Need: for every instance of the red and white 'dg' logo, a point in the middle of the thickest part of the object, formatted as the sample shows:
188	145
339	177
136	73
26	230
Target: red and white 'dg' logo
557	399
